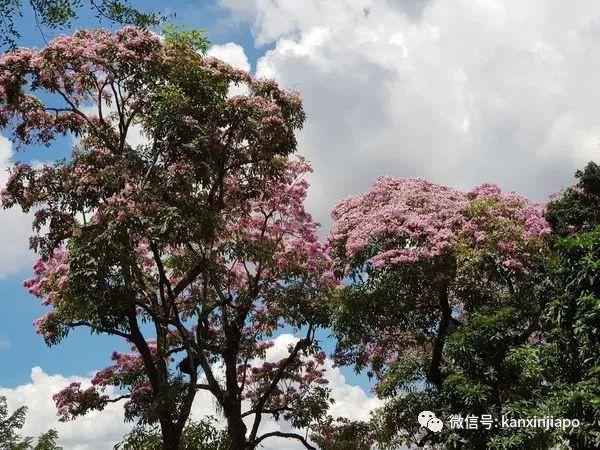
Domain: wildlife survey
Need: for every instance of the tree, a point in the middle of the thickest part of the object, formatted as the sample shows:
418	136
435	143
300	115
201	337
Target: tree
343	434
192	245
442	305
9	426
572	351
575	210
58	14
201	435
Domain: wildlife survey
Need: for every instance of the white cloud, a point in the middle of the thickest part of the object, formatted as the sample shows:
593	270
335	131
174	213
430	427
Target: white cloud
4	343
96	431
15	227
458	92
101	430
232	54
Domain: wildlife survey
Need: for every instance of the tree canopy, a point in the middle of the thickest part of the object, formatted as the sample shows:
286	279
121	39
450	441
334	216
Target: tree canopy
471	304
448	287
190	241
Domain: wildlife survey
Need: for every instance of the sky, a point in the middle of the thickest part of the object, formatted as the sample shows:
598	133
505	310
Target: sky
461	93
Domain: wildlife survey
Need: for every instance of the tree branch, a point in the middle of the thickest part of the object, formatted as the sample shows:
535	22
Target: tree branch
284	435
302	344
267	411
118	399
189	278
82	323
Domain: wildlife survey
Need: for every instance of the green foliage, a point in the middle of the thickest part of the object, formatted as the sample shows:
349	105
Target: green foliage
489	364
202	435
195	39
403	376
572	357
10	424
313	406
343	434
576	210
395	425
59	14
47	441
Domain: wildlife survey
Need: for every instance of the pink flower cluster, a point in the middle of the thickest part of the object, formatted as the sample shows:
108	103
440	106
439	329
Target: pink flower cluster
405	220
51	276
278	221
72	401
410	218
77	66
126	365
511	206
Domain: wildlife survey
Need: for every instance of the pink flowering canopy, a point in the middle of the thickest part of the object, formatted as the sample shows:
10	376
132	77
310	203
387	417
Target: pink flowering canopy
402	221
422	260
178	224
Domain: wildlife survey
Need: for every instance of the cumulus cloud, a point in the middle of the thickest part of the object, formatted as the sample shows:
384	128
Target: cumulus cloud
457	92
100	430
15	227
96	431
232	54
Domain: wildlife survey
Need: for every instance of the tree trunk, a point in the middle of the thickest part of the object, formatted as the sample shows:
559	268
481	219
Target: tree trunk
434	374
171	437
236	428
171	445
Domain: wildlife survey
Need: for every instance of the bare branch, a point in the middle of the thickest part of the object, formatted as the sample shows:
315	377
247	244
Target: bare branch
284	435
118	399
267	411
114	332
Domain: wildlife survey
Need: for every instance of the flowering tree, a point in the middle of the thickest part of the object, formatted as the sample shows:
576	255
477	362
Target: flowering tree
446	285
192	243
